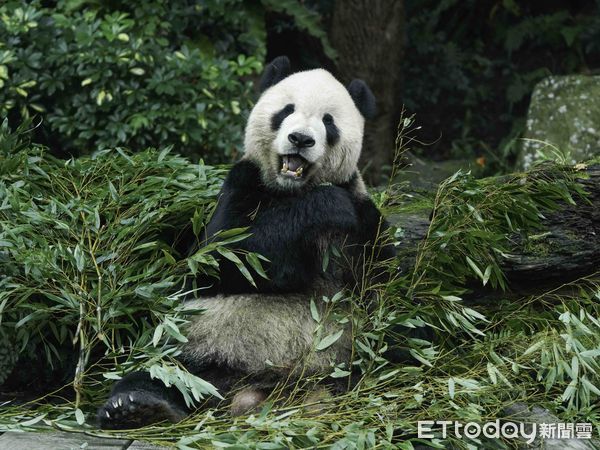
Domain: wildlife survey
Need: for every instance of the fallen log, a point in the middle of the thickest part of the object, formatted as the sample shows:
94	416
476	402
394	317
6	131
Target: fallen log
566	248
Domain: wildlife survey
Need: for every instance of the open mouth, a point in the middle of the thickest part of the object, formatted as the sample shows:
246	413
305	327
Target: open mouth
294	166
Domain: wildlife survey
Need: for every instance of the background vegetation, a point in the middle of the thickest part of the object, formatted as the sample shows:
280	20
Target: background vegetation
471	67
104	74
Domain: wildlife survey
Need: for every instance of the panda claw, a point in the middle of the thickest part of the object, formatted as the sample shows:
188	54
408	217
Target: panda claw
138	409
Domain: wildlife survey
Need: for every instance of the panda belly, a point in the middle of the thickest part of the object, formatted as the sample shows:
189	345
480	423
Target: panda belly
257	332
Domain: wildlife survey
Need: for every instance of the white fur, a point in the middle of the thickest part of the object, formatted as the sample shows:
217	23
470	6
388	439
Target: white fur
255	332
309	125
313	93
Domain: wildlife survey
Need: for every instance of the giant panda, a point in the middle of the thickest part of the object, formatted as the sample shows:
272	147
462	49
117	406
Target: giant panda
298	190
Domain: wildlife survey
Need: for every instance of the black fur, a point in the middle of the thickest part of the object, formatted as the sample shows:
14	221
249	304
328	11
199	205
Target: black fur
372	224
333	134
278	117
137	400
363	98
284	229
275	71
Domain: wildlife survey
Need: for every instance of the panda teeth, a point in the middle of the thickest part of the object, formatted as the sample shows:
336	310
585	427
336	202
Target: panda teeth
285	169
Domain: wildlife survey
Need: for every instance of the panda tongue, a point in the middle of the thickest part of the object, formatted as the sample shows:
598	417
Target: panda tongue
294	163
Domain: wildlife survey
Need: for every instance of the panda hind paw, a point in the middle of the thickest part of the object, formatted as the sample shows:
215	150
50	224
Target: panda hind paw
136	409
247	401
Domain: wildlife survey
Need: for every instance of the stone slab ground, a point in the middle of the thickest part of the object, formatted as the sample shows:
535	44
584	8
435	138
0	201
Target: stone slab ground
13	440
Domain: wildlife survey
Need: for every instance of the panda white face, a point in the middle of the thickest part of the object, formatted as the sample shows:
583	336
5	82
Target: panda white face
301	140
305	130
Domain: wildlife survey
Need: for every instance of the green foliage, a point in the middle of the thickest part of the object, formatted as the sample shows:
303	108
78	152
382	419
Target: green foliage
554	337
85	257
107	76
471	66
87	268
473	218
305	19
155	73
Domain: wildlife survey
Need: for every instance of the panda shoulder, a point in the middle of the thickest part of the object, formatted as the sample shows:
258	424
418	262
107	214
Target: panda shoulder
356	187
244	174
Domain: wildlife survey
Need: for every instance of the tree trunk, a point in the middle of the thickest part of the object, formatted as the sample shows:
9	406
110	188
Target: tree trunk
369	38
571	243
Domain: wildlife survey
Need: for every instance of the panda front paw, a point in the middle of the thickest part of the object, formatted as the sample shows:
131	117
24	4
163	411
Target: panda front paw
136	409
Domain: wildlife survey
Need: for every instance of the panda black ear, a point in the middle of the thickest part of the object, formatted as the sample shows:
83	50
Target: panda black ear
363	98
275	71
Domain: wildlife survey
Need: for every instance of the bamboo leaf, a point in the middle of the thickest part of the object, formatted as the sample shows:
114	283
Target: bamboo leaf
329	340
474	267
314	312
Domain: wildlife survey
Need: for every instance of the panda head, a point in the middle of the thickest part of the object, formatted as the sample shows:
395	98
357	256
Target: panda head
306	128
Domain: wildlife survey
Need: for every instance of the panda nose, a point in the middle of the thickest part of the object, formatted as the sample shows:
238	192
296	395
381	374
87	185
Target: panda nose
301	140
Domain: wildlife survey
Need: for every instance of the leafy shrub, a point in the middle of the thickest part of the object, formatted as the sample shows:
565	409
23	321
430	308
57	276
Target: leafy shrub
468	213
106	74
104	77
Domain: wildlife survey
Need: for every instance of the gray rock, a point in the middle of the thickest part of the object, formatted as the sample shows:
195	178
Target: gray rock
564	114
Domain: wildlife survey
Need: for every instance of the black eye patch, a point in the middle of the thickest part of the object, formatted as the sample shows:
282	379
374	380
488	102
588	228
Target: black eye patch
278	117
333	134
